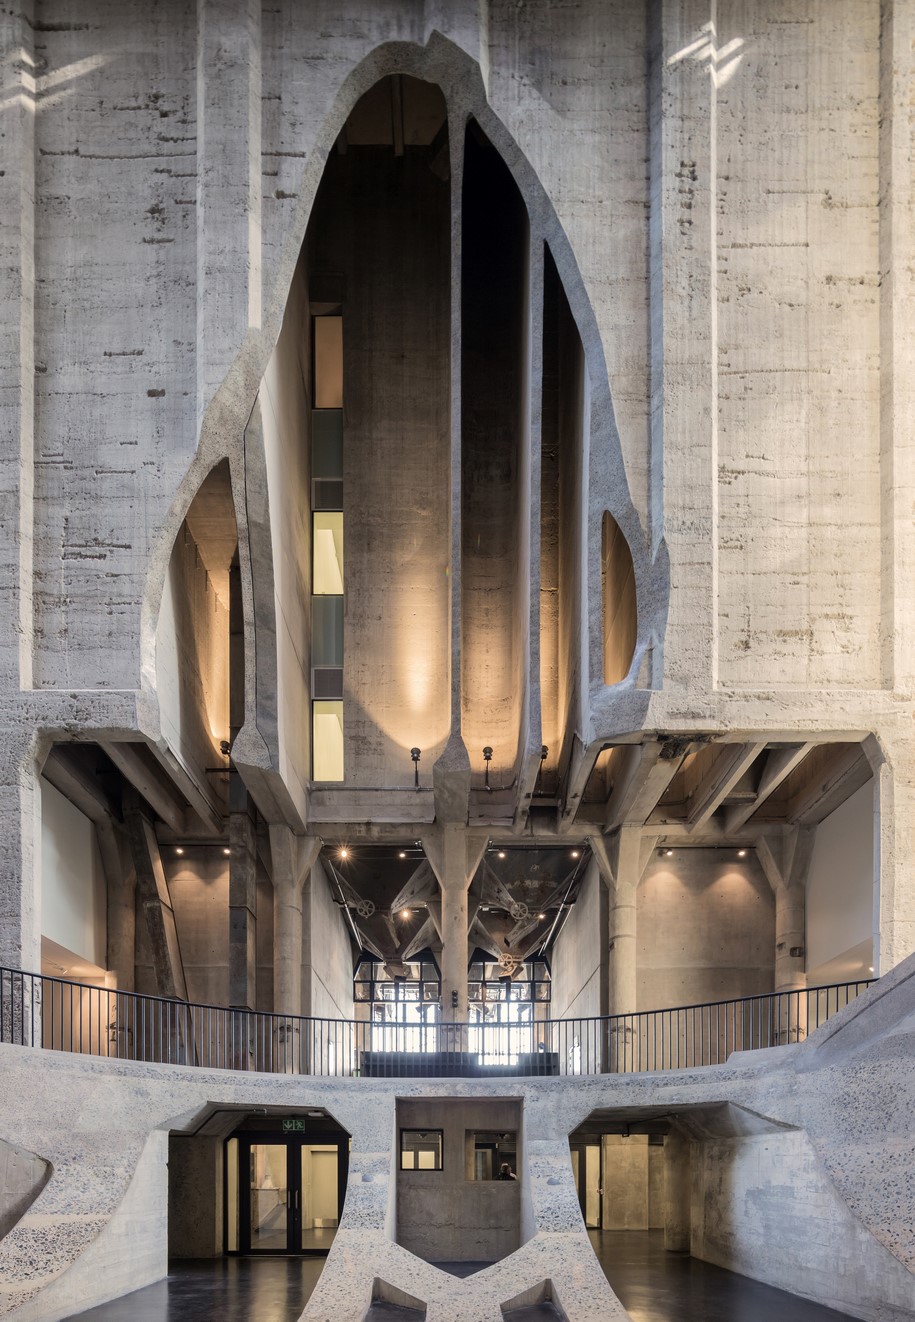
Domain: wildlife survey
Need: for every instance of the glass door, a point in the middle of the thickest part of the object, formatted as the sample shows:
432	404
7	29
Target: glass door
284	1194
269	1201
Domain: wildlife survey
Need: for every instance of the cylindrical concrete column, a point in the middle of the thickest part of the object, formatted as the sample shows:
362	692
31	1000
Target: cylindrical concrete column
454	949
621	958
676	1192
791	962
622	949
287	945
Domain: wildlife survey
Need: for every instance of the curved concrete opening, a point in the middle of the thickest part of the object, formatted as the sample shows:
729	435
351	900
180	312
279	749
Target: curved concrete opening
620	613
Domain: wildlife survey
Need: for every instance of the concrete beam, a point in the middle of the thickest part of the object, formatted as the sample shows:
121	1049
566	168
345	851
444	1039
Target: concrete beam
780	762
426	936
722	776
148	783
581	764
152	887
645	775
421	886
85	790
848	770
198	793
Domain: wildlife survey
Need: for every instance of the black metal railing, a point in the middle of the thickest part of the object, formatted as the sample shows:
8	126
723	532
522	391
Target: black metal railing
59	1015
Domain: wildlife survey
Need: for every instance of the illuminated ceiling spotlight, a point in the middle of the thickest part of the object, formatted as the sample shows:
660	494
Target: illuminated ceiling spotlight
668	853
576	853
741	853
179	850
227	851
402	854
501	853
541	915
415	755
343	853
405	913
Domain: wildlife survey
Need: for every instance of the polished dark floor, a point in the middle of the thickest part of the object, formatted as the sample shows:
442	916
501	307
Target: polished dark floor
655	1286
227	1289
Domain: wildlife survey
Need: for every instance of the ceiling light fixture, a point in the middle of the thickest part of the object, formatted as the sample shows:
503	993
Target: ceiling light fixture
344	853
401	854
741	853
227	851
179	850
501	853
668	853
575	853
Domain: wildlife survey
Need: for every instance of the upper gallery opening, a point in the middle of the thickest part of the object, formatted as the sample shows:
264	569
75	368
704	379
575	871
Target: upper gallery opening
377	267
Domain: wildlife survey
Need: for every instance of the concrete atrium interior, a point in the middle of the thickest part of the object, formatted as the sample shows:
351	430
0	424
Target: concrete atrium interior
457	657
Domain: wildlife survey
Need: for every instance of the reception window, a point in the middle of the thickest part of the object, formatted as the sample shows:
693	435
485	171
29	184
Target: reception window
421	1149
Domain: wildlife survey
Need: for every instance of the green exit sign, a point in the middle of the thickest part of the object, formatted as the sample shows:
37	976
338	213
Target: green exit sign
294	1126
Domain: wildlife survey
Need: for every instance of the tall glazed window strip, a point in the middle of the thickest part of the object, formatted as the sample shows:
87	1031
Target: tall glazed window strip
327	584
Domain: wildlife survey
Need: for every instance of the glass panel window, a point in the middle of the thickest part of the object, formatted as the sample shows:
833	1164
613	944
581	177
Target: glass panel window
269	1196
420	1149
327	546
327	443
232	1195
492	1155
327	741
327	631
328	362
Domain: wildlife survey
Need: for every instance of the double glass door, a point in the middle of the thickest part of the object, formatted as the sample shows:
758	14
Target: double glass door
287	1195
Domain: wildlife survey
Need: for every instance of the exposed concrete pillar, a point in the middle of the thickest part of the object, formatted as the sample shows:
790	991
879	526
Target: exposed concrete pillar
894	848
121	889
684	333
242	911
786	864
157	905
292	858
229	193
455	856
622	859
677	1186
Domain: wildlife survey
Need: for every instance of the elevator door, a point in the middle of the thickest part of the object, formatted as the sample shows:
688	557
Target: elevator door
290	1193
